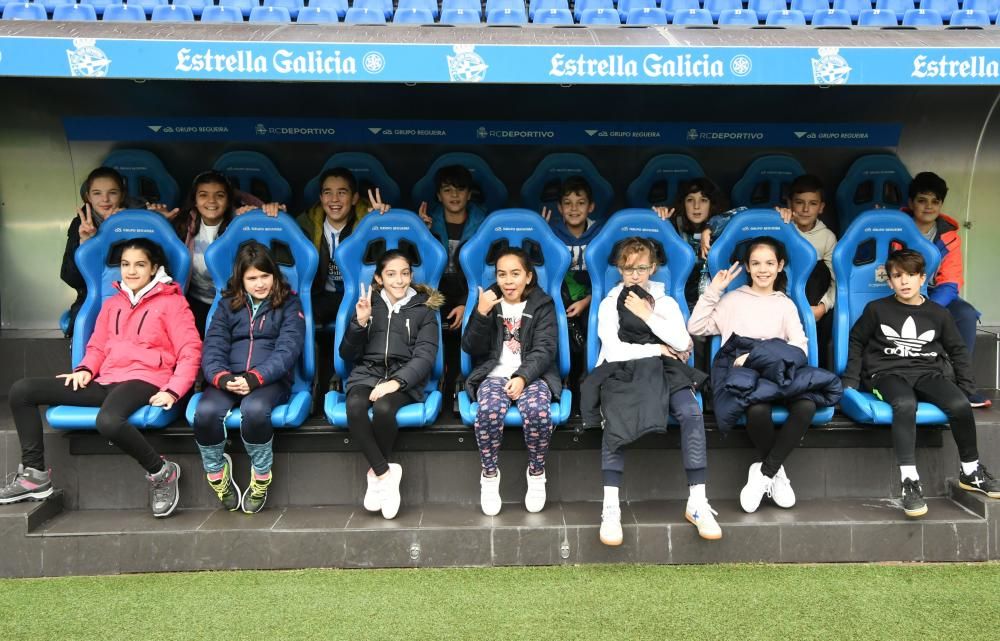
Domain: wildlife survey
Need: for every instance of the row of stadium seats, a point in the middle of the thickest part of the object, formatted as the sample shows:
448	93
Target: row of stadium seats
680	12
875	180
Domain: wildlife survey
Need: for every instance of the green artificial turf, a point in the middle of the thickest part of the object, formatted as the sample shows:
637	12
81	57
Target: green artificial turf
779	602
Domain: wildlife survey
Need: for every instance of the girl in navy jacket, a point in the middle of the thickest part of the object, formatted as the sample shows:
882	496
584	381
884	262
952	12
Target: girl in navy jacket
252	344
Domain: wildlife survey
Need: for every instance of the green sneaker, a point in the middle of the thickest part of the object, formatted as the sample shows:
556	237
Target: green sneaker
256	494
226	488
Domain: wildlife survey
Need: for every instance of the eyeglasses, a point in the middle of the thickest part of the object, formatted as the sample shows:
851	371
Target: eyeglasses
638	269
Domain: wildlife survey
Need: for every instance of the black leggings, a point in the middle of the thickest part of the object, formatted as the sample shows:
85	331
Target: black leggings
375	437
117	402
774	446
932	388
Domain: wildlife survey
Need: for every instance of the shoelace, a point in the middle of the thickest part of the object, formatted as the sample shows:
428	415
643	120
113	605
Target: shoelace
222	487
161	487
11	480
258	488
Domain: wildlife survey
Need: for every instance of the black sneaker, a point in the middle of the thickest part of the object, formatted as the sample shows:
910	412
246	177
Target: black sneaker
255	495
913	499
980	481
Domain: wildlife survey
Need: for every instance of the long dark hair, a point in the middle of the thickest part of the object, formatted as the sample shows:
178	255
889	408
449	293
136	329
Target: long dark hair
154	253
526	264
384	259
256	255
189	212
781	280
103	172
716	199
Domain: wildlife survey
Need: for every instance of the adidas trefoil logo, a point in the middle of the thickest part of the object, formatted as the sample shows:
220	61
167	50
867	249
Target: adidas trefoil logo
908	344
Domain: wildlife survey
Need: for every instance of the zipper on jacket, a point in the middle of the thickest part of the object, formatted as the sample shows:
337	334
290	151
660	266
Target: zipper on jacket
117	318
407	331
143	320
388	328
250	351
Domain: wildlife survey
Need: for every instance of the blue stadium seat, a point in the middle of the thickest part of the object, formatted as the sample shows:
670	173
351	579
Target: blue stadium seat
693	17
25	11
285	233
340	6
460	16
801	260
270	14
145	175
100	273
317	15
375	5
364	15
216	13
785	18
860	280
99	5
468	6
514	5
244	6
147	5
647	15
197	6
809	7
542	187
357	260
430	5
518	228
625	6
872	181
738	16
969	18
922	18
716	7
582	5
673	6
853	7
601	15
544	5
506	16
899	7
990	7
367	170
943	7
831	18
50	5
764	7
490	192
877	18
173	13
659	180
413	15
293	6
765	181
254	173
553	16
124	13
74	13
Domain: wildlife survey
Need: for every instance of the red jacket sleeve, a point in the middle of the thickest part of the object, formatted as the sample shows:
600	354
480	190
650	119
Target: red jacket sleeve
183	336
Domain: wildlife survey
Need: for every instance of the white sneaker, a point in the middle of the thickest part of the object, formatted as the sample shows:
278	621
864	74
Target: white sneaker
489	494
781	490
534	498
373	499
389	491
611	525
753	492
701	514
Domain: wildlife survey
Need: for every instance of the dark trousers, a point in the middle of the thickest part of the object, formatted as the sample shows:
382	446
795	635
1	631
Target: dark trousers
117	401
774	446
966	318
903	396
451	343
377	435
255	411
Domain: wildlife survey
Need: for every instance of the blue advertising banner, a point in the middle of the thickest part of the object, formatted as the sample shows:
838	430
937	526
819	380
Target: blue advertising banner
387	62
472	132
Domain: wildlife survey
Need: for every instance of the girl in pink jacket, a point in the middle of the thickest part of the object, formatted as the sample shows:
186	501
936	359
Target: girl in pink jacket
144	350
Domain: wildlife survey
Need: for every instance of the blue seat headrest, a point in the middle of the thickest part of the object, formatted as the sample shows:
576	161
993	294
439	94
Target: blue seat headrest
659	180
542	187
254	173
145	176
367	170
765	182
490	192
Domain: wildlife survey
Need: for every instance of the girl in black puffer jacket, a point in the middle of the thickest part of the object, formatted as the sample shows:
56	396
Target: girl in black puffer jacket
392	339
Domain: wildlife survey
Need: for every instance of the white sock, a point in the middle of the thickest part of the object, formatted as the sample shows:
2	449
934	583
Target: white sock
970	468
696	493
610	495
908	472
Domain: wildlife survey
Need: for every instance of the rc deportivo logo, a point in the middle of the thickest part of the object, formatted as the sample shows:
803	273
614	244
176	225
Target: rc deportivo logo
466	65
830	68
87	61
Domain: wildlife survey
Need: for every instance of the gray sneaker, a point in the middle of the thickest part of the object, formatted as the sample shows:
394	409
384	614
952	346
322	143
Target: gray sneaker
163	491
29	484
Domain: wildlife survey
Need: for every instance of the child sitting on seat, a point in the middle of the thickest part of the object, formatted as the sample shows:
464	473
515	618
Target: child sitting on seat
905	348
392	339
251	348
511	336
144	350
644	349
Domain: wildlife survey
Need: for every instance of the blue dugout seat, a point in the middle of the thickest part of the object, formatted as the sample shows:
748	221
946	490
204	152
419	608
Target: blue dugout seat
871	182
100	268
288	244
858	261
490	192
254	173
765	181
801	260
659	180
367	170
528	230
145	175
357	257
542	187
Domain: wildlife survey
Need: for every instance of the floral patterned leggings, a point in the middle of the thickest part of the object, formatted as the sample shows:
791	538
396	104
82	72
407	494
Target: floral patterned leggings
535	407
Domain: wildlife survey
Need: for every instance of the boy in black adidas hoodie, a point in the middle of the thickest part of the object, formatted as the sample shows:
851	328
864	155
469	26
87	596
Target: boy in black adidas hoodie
905	348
